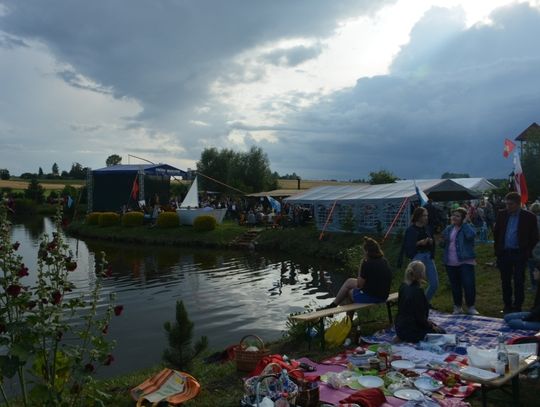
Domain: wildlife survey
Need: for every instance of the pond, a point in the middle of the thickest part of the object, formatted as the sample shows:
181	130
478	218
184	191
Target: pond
227	294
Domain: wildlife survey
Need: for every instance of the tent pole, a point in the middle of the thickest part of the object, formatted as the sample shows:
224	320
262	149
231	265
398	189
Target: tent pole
327	220
403	204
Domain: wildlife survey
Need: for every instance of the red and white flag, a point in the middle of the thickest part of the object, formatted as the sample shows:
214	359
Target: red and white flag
509	145
519	180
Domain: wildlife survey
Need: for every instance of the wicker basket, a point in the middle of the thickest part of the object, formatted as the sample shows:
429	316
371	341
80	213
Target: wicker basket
269	383
247	360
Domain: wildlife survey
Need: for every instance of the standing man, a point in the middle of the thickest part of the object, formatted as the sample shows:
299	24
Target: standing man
515	234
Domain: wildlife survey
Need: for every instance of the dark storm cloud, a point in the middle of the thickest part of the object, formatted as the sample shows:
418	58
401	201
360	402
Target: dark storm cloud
292	56
446	105
162	53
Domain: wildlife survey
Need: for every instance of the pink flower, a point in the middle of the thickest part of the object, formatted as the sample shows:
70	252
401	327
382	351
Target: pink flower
14	290
23	271
56	297
118	310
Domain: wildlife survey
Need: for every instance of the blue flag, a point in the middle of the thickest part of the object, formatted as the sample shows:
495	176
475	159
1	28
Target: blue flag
276	206
422	197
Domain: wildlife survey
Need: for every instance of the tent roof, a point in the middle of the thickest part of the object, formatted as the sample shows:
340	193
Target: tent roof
476	184
437	189
277	192
149	169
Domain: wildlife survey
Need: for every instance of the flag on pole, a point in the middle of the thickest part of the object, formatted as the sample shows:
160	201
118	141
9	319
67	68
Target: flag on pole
509	146
69	201
422	197
519	180
135	188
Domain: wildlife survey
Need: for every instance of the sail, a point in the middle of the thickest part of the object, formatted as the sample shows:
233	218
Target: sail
192	197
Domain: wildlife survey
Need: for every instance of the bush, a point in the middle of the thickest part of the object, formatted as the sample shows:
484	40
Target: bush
132	219
167	220
24	206
204	223
93	218
108	219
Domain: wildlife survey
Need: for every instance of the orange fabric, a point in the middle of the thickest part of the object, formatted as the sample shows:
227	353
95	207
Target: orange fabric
191	388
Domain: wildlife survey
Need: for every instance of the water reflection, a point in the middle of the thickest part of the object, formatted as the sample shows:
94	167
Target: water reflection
227	294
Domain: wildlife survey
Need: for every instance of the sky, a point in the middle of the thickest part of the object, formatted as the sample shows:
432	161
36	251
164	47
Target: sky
328	89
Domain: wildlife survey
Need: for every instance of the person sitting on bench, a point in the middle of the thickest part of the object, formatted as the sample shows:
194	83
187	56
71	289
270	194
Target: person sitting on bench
373	282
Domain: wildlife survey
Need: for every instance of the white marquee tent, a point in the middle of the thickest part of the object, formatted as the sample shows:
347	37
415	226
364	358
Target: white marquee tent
368	208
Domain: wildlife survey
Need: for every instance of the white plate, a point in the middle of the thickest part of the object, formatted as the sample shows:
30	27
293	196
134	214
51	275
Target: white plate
408	394
402	364
479	373
370	381
427	383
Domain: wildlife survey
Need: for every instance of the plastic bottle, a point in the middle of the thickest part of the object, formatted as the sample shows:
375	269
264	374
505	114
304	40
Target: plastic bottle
502	353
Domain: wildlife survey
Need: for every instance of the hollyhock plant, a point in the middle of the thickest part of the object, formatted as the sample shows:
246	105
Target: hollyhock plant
41	324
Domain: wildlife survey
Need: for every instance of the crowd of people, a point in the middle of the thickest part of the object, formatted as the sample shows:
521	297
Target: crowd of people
516	246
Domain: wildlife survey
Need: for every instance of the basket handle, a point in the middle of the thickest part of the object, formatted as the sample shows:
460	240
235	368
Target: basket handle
261	343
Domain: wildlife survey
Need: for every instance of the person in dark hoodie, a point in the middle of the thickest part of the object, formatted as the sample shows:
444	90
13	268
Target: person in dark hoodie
419	244
412	323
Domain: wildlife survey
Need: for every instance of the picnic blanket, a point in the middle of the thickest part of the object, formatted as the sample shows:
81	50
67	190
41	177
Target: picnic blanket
476	330
333	396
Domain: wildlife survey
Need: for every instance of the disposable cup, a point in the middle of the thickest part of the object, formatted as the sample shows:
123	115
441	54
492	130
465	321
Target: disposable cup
513	361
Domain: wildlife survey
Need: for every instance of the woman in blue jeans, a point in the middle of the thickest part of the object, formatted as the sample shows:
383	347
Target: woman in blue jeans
459	260
527	320
418	244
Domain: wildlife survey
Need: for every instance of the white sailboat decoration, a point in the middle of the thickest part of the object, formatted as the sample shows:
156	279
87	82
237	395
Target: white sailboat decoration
189	208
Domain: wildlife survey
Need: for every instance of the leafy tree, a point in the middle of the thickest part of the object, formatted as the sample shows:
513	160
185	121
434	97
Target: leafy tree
40	172
382	177
65	174
4	174
28	175
77	171
180	353
35	191
114	159
448	175
246	171
530	162
55	170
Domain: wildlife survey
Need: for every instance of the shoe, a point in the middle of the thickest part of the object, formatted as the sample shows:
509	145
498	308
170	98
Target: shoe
457	310
472	311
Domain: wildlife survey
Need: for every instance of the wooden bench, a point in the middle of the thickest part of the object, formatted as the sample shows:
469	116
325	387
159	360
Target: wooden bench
312	318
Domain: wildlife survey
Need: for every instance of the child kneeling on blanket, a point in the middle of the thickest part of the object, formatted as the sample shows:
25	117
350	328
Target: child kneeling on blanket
412	323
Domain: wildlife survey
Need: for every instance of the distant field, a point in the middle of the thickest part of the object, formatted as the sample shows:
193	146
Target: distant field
307	184
46	184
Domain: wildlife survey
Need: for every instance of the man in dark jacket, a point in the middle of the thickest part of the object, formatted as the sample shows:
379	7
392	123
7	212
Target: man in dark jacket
515	235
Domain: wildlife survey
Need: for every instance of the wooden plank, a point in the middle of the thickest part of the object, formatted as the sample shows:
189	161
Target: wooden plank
342	308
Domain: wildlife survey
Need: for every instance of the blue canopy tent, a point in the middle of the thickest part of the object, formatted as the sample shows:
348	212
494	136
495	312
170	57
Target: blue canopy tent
118	186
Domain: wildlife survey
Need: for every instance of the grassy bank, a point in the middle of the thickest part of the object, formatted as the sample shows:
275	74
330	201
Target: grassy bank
221	384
